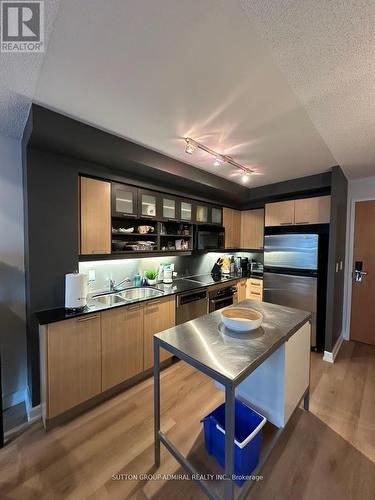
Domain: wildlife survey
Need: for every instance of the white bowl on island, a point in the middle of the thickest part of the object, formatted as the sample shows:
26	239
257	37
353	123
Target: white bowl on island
241	319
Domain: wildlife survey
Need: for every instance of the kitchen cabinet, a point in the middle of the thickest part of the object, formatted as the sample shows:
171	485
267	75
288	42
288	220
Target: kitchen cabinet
72	363
241	290
216	216
254	289
149	204
232	225
252	229
122	344
302	211
169	207
95	216
313	210
186	211
202	213
159	314
280	213
124	200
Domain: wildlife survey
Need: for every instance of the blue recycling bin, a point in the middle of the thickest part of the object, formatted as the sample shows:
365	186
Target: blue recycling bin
248	437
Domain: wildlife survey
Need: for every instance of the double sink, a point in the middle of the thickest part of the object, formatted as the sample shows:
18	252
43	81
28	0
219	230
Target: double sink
128	295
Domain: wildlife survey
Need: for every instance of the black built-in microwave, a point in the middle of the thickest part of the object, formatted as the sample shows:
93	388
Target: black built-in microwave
209	238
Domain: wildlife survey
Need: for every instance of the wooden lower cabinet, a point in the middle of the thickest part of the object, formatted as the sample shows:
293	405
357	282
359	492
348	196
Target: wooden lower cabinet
159	315
254	289
72	364
122	344
83	357
241	290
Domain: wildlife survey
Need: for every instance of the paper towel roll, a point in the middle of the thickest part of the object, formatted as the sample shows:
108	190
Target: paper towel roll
75	290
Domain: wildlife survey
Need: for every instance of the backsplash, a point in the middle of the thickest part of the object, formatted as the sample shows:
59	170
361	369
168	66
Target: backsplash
188	265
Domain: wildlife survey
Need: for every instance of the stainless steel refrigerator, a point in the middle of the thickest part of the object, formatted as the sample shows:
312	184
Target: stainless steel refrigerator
291	272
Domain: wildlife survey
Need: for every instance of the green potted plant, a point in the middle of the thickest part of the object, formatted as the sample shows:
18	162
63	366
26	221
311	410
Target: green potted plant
151	276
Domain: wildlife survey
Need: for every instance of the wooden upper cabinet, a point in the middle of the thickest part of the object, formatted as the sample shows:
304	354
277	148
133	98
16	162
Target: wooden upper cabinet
280	213
252	229
302	211
73	363
159	315
228	225
313	210
95	216
122	344
232	225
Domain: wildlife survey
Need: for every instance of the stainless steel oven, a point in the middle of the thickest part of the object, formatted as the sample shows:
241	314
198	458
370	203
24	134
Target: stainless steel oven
222	297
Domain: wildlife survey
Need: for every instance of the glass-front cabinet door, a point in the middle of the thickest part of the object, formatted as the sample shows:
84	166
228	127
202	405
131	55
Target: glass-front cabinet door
124	200
202	213
169	208
186	211
148	204
216	216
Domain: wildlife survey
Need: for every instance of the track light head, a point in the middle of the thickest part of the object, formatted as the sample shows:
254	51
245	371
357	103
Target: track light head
218	161
190	147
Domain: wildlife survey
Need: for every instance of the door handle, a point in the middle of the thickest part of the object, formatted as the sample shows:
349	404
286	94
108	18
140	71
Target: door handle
358	276
358	273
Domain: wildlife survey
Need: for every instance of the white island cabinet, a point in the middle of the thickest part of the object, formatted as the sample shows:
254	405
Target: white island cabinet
277	386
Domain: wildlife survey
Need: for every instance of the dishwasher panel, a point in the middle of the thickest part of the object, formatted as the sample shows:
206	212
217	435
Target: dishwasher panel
191	305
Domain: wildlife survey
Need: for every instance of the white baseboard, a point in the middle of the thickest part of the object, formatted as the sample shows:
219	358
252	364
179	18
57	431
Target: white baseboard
33	412
331	356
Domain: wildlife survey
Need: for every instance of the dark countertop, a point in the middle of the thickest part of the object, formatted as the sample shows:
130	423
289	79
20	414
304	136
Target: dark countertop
180	285
233	356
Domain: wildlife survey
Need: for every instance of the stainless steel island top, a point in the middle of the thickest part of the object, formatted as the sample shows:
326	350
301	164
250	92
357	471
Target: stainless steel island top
228	356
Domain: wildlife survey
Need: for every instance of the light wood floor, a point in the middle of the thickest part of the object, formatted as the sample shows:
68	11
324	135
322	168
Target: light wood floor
328	452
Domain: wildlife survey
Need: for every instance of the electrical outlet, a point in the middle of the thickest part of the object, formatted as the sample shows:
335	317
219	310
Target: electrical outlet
91	274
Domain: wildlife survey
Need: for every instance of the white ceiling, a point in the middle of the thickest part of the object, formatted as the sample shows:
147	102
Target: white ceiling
157	71
326	50
284	86
18	79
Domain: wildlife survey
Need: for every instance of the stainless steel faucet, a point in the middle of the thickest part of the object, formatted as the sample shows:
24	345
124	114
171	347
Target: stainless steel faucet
114	287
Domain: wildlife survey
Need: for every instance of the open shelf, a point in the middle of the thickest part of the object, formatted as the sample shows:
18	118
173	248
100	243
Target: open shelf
114	233
182	236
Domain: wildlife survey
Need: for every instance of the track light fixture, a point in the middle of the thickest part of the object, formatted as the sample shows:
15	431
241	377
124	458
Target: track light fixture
192	145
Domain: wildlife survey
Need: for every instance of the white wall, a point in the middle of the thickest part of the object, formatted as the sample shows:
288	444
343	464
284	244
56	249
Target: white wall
12	273
358	190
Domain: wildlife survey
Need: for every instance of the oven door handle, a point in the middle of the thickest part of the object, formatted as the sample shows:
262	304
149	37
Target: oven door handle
222	299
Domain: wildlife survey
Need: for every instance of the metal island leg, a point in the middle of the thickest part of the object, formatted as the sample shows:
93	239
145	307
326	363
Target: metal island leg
156	402
229	440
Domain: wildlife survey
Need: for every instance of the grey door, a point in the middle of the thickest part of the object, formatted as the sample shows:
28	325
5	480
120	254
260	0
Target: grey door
299	292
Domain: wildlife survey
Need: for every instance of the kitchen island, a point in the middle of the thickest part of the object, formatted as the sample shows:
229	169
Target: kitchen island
269	367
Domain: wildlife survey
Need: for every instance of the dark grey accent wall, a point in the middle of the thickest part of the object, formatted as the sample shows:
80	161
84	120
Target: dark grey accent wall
337	249
312	185
69	137
52	243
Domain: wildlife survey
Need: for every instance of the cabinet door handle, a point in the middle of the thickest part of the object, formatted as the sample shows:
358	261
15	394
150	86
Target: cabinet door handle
88	318
286	223
133	307
303	222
